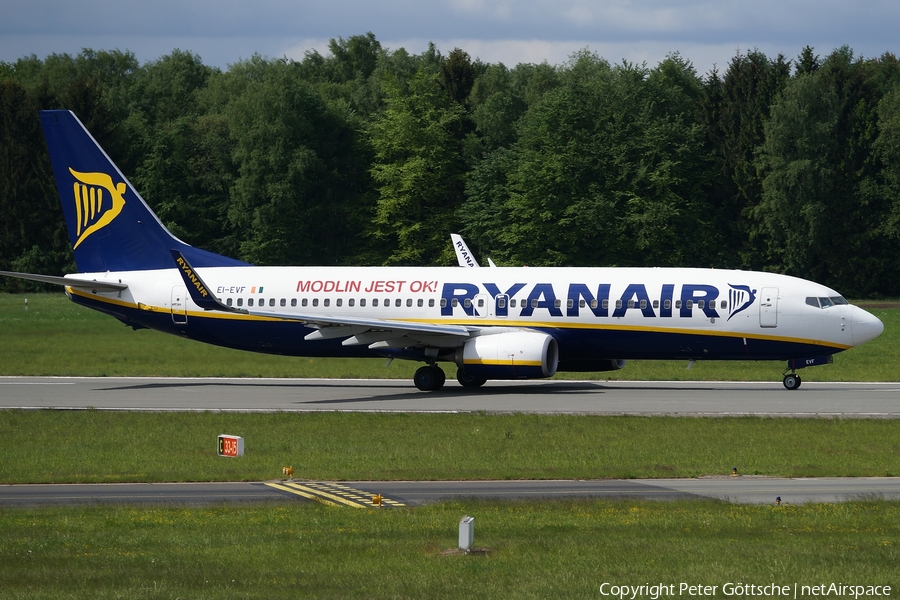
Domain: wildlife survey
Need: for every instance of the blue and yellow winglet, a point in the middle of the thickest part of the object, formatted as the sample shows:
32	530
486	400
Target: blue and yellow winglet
198	290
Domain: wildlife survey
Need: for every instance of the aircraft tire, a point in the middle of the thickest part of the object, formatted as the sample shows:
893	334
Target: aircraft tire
792	381
429	378
441	377
469	381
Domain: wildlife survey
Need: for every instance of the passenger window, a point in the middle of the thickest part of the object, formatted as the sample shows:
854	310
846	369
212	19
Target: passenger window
240	302
467	303
512	303
557	303
351	302
293	302
374	302
701	304
249	301
420	303
678	304
362	302
619	303
283	302
409	302
326	302
667	304
656	304
398	302
339	302
501	302
443	303
724	304
605	304
689	304
580	303
534	303
304	302
228	302
315	301
643	304
454	303
631	304
272	302
431	302
594	303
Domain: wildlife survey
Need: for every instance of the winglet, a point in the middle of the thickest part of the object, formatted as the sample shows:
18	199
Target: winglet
463	254
199	291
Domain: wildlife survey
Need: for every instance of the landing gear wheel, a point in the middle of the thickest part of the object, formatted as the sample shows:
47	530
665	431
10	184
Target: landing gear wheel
441	377
792	381
469	381
429	378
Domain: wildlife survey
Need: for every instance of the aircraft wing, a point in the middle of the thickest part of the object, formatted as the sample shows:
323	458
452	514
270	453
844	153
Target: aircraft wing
87	284
329	327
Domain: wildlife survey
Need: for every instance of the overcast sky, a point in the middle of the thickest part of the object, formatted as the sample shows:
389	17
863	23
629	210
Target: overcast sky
221	32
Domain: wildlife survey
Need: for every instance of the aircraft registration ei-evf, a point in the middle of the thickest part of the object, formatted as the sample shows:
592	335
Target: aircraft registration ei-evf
491	322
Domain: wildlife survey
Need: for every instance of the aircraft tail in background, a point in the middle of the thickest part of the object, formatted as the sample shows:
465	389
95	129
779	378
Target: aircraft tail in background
110	226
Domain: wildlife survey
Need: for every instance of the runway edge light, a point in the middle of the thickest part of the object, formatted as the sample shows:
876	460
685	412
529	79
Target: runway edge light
231	445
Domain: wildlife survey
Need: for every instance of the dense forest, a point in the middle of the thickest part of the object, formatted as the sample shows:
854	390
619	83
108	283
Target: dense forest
370	156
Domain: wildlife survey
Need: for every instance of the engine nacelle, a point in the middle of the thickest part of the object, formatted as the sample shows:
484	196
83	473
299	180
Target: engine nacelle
512	355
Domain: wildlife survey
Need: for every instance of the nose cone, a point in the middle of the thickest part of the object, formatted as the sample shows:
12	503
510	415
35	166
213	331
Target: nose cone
864	326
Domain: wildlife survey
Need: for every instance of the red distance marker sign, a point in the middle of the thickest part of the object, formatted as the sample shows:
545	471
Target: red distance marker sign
231	445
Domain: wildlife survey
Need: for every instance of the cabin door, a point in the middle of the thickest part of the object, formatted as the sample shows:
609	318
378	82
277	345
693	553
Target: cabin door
179	305
768	307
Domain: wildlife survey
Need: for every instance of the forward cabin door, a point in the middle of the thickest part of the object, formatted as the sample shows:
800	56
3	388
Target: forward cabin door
768	307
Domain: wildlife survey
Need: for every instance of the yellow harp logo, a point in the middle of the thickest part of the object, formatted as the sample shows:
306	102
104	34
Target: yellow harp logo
97	202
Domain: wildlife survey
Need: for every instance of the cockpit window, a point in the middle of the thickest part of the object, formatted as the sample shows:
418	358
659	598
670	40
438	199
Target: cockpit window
826	302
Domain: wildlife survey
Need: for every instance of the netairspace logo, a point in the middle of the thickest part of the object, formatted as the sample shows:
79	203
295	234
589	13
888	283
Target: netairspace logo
744	590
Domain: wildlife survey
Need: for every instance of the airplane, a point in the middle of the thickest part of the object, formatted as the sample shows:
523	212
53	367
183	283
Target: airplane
491	323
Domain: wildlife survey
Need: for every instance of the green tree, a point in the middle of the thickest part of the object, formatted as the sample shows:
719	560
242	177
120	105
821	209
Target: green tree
418	170
298	197
603	173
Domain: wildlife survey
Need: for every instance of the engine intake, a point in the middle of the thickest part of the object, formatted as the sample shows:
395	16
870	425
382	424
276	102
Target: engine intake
511	355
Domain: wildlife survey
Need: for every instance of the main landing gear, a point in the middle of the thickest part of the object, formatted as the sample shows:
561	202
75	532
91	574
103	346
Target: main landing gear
429	378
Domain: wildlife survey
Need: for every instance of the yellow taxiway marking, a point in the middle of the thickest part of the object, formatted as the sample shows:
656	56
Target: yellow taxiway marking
285	488
333	494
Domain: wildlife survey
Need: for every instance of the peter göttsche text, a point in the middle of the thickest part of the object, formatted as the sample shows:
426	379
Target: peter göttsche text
744	590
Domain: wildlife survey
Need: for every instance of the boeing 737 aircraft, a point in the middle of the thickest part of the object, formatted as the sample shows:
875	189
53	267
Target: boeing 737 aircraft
492	323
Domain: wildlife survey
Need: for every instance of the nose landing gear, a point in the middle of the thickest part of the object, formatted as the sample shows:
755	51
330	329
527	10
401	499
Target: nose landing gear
792	381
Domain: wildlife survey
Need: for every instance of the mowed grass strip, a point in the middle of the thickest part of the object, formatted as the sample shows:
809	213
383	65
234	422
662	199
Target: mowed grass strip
49	446
559	549
56	337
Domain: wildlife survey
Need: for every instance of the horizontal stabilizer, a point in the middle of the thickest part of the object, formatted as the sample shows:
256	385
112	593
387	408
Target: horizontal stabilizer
88	284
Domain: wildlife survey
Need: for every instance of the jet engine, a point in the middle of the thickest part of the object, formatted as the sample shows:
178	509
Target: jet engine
511	355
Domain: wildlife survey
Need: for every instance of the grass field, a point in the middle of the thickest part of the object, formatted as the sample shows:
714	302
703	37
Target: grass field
56	337
564	549
97	446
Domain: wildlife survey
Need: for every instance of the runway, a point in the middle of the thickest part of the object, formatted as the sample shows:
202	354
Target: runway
852	400
395	494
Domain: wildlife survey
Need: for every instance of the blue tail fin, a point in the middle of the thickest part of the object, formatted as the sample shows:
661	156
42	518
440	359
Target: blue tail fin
110	226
